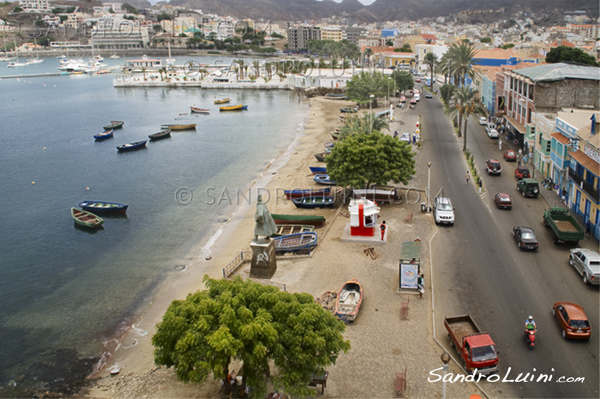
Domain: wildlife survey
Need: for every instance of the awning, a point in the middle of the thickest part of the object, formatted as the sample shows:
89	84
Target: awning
561	138
513	122
585	161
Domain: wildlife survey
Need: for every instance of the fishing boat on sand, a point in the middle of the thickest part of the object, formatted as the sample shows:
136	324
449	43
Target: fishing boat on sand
311	220
114	125
313	202
318	170
132	146
179	126
163	134
335	135
298	193
348	301
287	229
238	107
86	219
103	207
323	179
321	156
295	242
200	110
104	135
334	96
377	195
348	110
222	101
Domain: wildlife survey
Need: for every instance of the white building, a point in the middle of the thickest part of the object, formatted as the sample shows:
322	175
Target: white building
37	5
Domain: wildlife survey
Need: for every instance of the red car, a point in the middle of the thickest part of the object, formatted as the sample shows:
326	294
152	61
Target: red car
510	156
503	201
572	320
418	80
493	167
522	173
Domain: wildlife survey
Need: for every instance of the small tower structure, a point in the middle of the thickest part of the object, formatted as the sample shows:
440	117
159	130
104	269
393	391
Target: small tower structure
364	215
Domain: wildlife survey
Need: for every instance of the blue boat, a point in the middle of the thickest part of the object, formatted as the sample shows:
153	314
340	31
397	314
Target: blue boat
323	179
103	207
295	242
314	202
318	170
132	146
289	194
104	135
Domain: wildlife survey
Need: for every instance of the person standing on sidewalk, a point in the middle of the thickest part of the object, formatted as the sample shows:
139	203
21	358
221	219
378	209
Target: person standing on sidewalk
500	144
421	285
383	227
588	231
467	177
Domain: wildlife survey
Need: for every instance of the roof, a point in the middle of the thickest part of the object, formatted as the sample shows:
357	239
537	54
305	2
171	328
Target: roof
479	340
565	43
428	36
495	53
575	311
560	138
586	134
560	71
585	161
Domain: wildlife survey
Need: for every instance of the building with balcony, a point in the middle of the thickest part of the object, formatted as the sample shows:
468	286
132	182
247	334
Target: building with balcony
298	36
133	36
34	5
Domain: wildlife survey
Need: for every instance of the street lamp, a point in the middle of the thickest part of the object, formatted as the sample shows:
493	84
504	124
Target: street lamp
371	97
428	184
445	359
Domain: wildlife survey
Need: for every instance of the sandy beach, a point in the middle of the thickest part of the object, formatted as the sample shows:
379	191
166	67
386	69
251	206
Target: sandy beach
382	342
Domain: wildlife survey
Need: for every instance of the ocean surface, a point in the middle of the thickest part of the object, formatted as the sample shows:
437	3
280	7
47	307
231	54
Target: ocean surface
65	290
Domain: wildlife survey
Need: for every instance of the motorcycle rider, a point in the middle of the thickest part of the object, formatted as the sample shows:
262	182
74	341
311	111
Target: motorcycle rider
530	324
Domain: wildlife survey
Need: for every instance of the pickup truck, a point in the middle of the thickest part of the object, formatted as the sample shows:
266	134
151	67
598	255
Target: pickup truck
476	348
563	224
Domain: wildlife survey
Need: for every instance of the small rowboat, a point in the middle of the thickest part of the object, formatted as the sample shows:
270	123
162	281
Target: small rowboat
200	110
179	126
348	110
333	96
378	195
323	179
103	207
287	229
104	135
132	146
314	202
114	125
321	156
312	220
348	301
329	145
295	242
318	170
163	134
315	192
238	107
335	135
85	218
222	101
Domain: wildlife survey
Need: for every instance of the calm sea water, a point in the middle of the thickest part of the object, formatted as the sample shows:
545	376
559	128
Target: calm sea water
64	288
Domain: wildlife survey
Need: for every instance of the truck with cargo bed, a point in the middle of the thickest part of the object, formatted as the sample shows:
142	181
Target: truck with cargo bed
476	349
563	225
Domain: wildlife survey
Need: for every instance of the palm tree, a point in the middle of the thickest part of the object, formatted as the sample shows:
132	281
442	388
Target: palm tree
431	59
367	55
256	66
461	58
241	64
466	103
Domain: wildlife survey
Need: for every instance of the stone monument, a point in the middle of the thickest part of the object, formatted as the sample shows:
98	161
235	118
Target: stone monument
264	264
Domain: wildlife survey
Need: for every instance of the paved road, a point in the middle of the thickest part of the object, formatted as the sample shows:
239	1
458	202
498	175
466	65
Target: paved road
478	269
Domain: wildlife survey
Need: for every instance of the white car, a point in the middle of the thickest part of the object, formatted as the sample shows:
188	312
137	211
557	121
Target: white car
493	134
483	121
405	137
443	212
587	263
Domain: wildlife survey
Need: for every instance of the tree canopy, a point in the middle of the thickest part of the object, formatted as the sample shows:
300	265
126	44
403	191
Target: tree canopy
362	125
256	324
404	80
333	48
569	54
360	88
364	159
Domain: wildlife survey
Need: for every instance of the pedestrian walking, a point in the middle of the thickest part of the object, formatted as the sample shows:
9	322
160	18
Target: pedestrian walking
467	177
480	184
395	133
500	144
421	285
383	227
414	138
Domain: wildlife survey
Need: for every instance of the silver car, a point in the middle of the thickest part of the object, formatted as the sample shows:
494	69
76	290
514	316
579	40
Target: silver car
587	263
443	212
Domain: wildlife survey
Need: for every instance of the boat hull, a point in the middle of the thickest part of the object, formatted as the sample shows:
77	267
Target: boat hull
349	300
318	170
114	125
312	220
160	135
86	219
104	135
132	146
287	229
188	126
239	107
289	194
103	207
323	179
295	242
313	202
199	110
222	101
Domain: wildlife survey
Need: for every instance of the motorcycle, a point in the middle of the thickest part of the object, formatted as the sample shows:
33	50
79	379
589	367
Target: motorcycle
530	338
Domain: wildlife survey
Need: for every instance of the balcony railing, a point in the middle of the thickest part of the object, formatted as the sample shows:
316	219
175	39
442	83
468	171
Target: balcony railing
587	187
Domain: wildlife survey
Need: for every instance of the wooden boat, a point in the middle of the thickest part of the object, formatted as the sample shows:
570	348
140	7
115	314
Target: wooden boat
321	156
348	301
323	179
295	242
348	110
287	229
179	126
318	170
85	218
238	107
335	135
114	125
297	193
132	146
329	144
334	96
104	135
378	195
311	220
313	202
103	207
163	134
222	101
200	110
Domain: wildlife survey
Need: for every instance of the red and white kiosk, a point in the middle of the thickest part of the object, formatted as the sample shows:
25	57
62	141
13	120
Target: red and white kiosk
364	223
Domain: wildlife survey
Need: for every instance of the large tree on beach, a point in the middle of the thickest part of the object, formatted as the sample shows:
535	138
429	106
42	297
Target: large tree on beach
255	324
364	159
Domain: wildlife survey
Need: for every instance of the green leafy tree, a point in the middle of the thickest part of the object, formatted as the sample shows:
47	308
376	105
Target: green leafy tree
129	8
404	49
362	125
485	40
446	91
506	46
569	54
431	59
404	80
360	88
364	159
163	16
252	323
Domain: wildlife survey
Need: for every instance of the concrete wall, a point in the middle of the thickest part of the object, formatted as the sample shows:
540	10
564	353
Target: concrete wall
568	93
